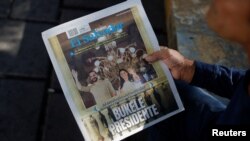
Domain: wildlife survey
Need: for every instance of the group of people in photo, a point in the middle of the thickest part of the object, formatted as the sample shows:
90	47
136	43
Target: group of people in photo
102	89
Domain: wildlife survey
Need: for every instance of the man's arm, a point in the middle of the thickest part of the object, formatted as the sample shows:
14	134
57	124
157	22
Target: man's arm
217	79
78	84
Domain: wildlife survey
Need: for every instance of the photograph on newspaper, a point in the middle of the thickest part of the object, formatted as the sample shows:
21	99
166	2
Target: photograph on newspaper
99	60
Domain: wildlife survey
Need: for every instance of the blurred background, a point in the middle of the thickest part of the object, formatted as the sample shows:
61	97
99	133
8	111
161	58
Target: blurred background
32	104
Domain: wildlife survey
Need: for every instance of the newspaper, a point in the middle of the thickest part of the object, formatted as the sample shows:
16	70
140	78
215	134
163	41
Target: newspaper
99	61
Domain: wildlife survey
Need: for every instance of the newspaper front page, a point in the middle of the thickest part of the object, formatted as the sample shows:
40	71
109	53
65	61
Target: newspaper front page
99	61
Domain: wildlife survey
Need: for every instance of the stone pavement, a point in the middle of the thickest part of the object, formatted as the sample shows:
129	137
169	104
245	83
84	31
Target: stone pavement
32	105
188	31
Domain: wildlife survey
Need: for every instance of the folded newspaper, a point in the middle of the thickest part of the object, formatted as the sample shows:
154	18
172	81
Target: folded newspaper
99	61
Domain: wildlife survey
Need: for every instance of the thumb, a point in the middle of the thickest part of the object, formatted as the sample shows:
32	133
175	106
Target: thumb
158	55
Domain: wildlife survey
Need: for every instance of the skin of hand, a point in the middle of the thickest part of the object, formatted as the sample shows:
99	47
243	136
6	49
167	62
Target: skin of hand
180	67
133	73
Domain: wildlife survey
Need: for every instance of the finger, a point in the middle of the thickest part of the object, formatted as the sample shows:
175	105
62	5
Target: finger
154	57
158	55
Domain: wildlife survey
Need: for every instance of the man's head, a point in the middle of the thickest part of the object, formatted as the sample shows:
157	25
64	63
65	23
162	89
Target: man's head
93	77
231	19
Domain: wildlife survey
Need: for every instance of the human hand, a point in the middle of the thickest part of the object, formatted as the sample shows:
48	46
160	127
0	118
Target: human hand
134	74
131	71
180	67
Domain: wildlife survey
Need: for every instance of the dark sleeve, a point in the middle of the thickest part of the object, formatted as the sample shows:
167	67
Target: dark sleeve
217	79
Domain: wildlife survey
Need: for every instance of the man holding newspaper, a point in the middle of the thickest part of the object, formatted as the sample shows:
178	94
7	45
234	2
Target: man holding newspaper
230	19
